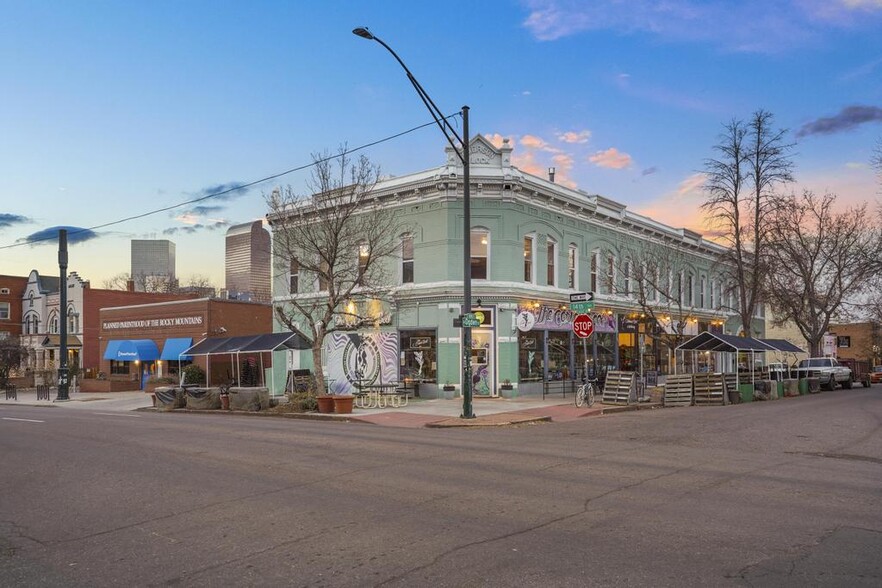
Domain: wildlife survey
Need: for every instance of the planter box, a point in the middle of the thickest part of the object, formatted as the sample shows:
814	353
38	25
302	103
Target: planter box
249	399
203	399
508	392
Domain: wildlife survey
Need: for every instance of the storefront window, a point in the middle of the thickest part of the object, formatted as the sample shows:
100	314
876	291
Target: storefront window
530	345
120	368
418	355
558	355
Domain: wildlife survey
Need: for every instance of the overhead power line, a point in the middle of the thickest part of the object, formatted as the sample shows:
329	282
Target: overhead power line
228	190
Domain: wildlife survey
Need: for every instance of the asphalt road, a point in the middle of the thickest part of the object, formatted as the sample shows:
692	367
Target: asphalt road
783	493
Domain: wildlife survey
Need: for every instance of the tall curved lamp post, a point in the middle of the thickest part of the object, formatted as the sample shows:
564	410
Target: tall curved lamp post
461	148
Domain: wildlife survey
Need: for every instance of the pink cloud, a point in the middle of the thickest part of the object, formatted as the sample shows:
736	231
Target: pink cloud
611	158
574	136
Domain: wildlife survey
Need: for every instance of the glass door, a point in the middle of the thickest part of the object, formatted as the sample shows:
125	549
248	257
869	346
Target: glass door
483	368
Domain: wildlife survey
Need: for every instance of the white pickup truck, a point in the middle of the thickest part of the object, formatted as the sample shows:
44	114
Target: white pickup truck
828	371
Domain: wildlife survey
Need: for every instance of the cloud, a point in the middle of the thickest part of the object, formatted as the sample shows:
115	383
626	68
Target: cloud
573	137
527	159
49	236
611	158
681	207
7	219
205	210
749	26
848	118
222	192
649	171
534	142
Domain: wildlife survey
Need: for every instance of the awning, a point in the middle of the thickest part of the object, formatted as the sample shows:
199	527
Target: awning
249	344
783	345
174	349
55	341
707	341
132	350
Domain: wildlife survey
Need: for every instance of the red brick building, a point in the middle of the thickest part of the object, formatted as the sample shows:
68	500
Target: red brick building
860	341
136	342
11	293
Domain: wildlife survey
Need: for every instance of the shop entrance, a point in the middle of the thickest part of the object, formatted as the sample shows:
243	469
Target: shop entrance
483	363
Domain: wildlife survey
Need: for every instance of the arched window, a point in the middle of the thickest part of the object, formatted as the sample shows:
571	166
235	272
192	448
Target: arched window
595	265
407	259
480	254
626	281
294	276
551	260
529	255
572	266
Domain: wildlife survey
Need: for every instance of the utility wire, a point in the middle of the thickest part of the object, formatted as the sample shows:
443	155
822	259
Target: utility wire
233	189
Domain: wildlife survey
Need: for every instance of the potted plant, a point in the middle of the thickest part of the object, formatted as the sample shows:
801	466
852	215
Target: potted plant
506	384
325	403
343	403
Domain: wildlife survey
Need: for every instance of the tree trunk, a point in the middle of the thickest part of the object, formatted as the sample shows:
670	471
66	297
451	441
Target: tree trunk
317	367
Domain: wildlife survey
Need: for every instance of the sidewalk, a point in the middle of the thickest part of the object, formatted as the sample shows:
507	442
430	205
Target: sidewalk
436	413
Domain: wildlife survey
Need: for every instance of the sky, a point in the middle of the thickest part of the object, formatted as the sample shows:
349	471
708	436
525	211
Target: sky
115	110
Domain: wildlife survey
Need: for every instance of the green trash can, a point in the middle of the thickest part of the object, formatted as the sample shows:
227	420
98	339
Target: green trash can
803	386
746	392
780	385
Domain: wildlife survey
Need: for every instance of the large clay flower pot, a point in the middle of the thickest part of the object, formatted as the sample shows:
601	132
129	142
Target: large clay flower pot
325	404
343	403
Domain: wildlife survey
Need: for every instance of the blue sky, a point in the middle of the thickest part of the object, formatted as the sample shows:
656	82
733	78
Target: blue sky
112	109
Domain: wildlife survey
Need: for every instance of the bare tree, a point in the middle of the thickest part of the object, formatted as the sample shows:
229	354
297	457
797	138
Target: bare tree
821	262
876	161
117	282
753	159
338	243
12	354
655	277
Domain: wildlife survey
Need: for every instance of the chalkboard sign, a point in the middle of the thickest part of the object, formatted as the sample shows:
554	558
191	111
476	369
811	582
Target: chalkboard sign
651	377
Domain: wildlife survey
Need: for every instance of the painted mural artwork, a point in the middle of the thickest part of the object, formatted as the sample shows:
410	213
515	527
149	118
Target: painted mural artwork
550	317
363	358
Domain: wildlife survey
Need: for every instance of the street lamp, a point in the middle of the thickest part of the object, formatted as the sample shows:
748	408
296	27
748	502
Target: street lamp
461	148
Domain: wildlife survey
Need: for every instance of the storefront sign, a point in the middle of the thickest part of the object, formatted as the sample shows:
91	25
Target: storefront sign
628	325
180	321
525	320
552	317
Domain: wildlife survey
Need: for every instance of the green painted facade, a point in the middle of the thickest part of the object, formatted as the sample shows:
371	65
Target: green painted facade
508	205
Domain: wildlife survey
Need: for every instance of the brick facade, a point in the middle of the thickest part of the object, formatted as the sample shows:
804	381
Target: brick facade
861	341
11	291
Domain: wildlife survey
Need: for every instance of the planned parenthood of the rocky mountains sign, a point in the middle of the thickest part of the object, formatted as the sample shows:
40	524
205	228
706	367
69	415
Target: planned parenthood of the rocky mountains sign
178	321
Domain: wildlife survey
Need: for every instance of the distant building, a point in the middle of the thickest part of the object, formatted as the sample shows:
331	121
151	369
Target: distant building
40	319
11	292
861	341
153	261
248	262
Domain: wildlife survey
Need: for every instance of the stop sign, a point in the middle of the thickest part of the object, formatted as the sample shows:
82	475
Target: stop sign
583	326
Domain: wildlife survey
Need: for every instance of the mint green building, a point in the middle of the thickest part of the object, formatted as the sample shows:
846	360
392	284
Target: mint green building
533	243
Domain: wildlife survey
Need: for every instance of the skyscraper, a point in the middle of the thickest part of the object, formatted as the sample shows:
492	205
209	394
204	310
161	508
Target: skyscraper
248	262
153	264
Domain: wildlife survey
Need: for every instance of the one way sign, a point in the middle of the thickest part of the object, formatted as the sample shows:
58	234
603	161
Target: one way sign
582	297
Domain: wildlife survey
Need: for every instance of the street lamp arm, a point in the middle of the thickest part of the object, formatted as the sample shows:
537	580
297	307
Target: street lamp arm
436	113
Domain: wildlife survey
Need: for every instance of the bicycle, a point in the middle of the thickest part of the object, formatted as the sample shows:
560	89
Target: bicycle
586	393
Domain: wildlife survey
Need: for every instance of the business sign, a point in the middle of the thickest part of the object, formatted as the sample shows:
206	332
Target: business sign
179	321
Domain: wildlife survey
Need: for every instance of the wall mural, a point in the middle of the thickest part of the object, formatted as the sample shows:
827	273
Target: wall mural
368	358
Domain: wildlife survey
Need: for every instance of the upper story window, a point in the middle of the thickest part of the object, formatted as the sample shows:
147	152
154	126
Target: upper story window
551	250
364	256
323	283
690	290
626	282
53	324
480	250
679	293
611	273
73	320
294	277
4	311
528	258
407	259
4	290
595	263
572	265
31	300
701	288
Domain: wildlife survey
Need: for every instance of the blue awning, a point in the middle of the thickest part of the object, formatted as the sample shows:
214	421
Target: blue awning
112	348
132	350
173	349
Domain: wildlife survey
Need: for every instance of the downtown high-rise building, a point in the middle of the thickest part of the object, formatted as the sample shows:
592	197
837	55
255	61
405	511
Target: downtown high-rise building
248	262
153	265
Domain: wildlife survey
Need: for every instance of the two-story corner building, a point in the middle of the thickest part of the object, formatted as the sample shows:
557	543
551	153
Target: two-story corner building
41	318
533	243
11	291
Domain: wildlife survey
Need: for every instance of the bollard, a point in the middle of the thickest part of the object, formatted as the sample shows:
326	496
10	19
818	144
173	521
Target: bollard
43	392
11	392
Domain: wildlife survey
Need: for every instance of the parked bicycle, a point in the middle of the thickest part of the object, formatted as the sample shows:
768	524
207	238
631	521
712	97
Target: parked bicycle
586	392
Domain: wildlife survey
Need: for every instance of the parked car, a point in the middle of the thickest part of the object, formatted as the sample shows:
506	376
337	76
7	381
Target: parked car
828	371
876	375
860	370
